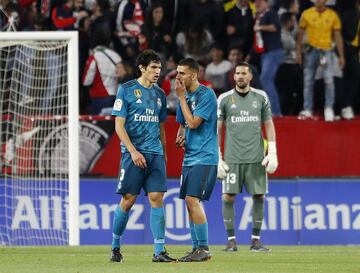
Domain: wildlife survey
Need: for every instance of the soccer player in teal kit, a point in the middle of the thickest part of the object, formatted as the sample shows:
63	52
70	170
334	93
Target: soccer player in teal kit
197	133
140	110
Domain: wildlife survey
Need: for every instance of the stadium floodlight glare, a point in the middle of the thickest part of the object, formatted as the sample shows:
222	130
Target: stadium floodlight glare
39	110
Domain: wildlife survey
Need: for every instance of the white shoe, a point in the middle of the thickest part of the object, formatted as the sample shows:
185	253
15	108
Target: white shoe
329	114
305	114
347	113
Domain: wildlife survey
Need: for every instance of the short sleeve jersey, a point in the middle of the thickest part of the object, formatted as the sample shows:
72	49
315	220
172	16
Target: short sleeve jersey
201	145
143	109
319	27
243	118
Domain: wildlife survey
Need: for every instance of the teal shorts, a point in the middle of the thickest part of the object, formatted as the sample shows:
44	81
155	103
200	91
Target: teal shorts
132	178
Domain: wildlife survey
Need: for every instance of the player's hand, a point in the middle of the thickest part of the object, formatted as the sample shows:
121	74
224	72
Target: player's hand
180	141
180	88
270	162
138	159
223	169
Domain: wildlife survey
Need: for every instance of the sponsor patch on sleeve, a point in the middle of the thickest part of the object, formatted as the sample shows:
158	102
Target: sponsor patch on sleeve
117	105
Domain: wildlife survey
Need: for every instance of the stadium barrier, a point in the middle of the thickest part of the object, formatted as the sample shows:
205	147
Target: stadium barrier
297	212
306	148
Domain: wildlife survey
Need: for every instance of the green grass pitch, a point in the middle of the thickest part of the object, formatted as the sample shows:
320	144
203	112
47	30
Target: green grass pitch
95	259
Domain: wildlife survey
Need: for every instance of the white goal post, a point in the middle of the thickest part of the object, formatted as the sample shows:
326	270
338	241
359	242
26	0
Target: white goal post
39	81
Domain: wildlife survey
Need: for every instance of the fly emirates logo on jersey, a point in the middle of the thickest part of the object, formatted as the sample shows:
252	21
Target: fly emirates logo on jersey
148	117
244	117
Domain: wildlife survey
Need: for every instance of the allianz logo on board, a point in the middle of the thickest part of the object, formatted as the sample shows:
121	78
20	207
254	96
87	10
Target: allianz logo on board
282	213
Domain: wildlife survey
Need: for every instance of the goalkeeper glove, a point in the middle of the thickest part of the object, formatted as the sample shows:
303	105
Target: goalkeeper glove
270	162
223	168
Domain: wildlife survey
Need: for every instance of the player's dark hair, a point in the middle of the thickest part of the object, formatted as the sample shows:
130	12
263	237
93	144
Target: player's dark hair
245	64
146	57
191	63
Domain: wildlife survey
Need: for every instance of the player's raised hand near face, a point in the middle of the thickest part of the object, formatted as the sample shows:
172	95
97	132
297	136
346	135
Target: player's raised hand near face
138	159
180	88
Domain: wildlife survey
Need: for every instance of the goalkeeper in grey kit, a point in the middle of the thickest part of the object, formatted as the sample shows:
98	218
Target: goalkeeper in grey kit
242	111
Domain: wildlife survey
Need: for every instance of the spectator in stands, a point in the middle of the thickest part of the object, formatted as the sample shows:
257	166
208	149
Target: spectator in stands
291	6
100	75
236	56
195	42
157	31
28	17
100	20
289	77
208	12
202	75
125	72
239	23
268	43
168	84
218	67
127	18
322	26
62	16
349	16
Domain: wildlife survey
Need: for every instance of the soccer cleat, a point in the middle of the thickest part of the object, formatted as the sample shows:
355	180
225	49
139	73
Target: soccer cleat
199	255
116	255
187	256
257	246
163	257
231	246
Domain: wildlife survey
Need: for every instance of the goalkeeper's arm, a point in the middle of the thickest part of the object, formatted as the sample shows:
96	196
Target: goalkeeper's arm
223	168
270	161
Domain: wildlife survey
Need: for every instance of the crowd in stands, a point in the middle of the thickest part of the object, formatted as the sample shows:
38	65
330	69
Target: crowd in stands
304	53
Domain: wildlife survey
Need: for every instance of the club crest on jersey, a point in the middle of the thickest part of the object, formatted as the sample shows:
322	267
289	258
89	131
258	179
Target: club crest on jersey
254	104
193	105
159	102
137	93
232	102
117	105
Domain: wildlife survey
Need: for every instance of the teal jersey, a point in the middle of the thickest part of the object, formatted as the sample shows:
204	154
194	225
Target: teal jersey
243	117
201	145
143	109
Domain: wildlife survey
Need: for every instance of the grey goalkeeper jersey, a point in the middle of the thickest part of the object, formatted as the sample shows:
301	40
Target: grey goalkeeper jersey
243	118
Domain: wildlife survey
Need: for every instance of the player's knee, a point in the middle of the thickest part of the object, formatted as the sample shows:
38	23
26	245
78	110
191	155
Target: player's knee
191	202
156	199
127	202
228	197
259	197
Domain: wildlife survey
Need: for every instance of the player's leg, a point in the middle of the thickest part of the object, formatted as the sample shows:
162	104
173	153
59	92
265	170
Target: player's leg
228	213
232	185
256	184
155	186
200	181
121	217
129	186
182	195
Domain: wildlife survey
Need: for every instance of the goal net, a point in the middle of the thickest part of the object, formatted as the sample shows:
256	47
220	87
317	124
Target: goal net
39	185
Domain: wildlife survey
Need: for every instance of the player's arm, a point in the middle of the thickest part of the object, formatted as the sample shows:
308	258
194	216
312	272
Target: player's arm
270	130
180	137
137	157
192	122
163	139
270	161
223	168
